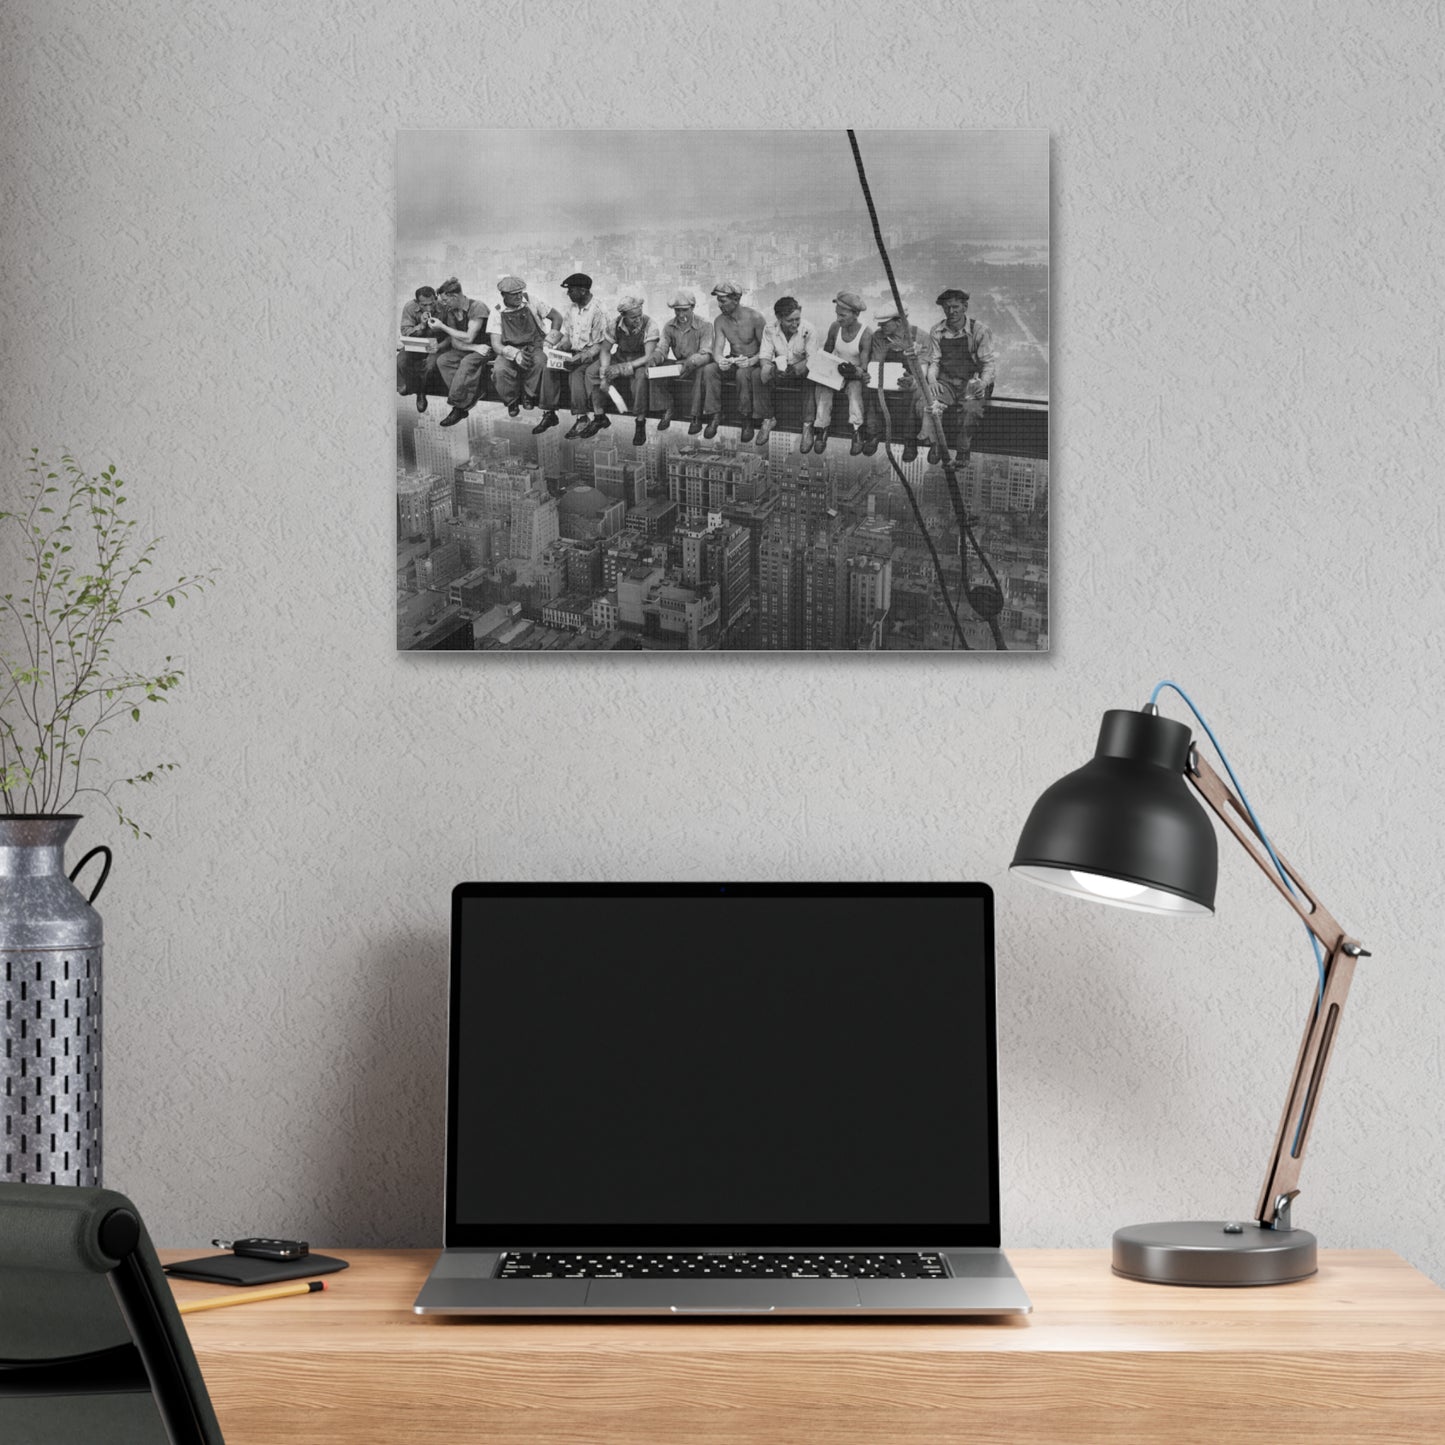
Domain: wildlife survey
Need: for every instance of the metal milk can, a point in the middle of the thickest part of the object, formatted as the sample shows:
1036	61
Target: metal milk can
50	950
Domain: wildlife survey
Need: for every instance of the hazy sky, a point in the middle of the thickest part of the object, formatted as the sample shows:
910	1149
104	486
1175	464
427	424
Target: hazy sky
464	185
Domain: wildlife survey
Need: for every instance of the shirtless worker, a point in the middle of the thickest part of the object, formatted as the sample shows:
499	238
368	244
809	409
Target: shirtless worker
737	338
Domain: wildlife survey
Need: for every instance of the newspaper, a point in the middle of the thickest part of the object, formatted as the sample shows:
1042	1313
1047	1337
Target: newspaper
823	368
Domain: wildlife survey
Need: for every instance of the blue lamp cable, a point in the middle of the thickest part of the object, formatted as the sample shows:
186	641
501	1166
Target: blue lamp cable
1273	858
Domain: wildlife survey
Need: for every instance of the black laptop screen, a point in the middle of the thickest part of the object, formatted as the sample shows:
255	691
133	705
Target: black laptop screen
722	1066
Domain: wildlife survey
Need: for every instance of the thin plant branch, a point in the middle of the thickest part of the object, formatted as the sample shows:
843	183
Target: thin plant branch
61	690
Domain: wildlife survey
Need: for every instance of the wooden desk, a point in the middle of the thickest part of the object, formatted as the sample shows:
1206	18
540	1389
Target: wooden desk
1356	1354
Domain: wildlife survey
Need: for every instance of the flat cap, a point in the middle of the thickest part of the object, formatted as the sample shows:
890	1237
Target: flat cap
953	293
511	283
629	301
851	299
580	279
683	296
449	285
885	311
727	288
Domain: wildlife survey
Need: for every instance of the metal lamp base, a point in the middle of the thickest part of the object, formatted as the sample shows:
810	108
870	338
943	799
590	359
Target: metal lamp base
1224	1254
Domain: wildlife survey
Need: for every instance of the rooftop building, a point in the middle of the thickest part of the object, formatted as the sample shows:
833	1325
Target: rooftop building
586	512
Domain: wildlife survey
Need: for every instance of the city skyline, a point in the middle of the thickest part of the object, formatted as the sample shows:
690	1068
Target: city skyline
528	542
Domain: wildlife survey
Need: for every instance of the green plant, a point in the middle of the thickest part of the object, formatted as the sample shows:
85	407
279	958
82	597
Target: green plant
61	689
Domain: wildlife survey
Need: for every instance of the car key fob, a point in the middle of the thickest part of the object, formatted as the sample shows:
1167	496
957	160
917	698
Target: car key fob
265	1248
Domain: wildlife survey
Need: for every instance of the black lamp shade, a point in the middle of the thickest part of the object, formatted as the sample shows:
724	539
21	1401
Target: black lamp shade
1125	828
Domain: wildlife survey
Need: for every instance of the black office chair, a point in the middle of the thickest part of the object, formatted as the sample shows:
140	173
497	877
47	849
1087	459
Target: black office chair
92	1347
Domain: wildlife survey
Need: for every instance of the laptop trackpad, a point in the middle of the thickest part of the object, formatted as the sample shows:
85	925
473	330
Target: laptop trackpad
724	1296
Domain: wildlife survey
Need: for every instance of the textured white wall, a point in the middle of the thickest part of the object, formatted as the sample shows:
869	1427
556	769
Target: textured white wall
1247	431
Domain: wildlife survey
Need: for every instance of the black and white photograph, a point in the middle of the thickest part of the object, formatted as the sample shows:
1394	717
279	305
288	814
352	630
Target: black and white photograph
722	391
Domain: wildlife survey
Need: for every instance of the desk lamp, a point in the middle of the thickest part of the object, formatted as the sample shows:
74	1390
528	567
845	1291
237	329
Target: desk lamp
1125	829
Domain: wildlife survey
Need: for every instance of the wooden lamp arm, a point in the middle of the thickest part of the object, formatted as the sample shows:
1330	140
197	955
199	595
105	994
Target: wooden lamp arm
1281	1182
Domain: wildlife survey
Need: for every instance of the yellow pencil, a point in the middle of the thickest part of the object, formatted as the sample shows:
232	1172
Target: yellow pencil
220	1301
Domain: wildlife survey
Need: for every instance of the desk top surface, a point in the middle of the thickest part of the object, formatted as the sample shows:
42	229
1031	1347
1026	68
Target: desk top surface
1361	1303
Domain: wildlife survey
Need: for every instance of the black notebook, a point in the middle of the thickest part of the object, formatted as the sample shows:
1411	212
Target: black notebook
245	1269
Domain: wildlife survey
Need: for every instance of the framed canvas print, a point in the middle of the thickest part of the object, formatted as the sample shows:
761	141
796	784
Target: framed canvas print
669	392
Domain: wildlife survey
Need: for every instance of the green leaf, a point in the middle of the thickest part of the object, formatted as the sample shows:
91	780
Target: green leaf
135	714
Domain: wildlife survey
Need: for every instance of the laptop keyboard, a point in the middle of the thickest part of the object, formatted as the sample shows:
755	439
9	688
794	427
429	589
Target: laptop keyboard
700	1265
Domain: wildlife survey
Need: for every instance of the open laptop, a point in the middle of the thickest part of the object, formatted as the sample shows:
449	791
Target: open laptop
743	1099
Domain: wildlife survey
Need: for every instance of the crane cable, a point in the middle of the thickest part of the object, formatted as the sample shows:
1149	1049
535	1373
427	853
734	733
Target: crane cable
935	422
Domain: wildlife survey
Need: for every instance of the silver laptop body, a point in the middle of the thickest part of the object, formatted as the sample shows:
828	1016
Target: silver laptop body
741	1100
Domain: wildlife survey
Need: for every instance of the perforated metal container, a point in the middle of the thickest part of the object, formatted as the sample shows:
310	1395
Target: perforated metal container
50	977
